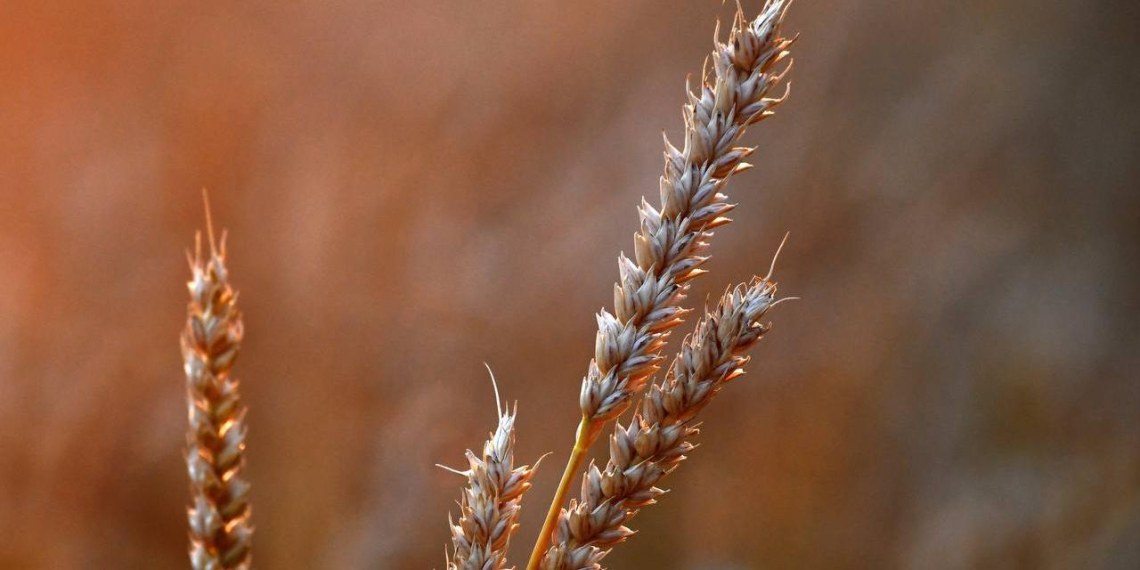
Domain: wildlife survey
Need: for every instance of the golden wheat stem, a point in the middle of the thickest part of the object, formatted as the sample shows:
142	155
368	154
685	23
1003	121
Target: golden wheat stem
582	444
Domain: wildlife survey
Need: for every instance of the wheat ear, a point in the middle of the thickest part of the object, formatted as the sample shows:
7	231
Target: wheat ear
220	531
657	437
490	505
672	243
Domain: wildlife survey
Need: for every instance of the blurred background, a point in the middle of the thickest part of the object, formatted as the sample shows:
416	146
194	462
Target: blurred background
415	188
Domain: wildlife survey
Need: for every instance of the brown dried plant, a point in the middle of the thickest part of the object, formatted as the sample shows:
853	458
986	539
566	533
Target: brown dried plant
220	531
672	243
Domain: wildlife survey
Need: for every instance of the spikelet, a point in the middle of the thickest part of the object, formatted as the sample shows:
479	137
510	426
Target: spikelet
672	243
220	530
489	507
657	438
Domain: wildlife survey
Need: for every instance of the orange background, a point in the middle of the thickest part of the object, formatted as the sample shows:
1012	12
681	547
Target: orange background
414	188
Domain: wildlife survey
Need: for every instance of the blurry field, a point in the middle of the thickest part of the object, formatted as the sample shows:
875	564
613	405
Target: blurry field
414	188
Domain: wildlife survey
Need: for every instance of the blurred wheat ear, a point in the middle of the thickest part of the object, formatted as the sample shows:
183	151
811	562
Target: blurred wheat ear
220	531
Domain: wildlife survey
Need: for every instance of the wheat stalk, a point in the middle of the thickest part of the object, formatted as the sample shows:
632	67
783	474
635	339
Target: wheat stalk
671	245
489	507
220	532
657	437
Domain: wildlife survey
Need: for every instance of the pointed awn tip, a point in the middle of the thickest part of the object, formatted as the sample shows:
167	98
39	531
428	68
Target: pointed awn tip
452	470
781	300
772	267
209	222
495	385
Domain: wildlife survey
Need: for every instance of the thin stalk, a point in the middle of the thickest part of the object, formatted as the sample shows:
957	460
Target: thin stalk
587	433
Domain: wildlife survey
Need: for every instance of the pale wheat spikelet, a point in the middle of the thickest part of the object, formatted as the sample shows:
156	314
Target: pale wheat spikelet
657	438
220	531
672	242
489	507
671	245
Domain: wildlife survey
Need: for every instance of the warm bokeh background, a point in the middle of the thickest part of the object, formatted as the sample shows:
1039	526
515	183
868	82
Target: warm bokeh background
414	188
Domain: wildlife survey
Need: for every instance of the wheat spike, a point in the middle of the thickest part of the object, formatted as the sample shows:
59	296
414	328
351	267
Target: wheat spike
672	242
658	436
220	530
490	505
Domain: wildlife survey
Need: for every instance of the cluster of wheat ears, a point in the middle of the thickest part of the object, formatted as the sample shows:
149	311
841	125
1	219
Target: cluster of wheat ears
669	250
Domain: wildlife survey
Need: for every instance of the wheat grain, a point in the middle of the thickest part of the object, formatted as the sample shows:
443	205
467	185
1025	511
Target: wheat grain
658	437
489	507
220	532
672	242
